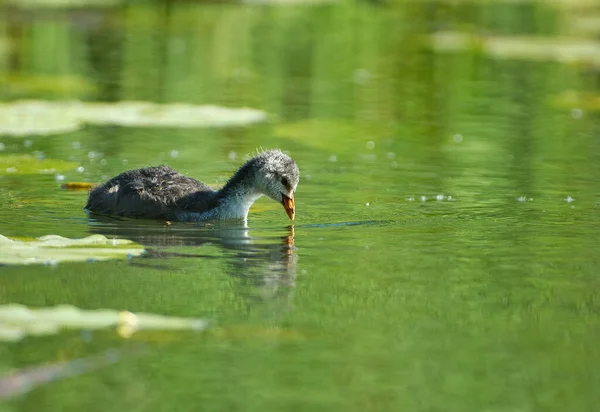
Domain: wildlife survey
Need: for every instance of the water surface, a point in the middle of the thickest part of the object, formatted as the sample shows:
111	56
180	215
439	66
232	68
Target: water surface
444	253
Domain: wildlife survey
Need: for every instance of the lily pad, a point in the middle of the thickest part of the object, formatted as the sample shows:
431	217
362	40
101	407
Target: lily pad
29	117
52	249
134	113
567	50
18	321
26	164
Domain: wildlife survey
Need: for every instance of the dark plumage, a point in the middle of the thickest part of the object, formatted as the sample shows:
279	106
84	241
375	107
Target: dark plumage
160	192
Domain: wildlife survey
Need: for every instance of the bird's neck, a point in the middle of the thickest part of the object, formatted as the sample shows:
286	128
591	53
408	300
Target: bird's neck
238	195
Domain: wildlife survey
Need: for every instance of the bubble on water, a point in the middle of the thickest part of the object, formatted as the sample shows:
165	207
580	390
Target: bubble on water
11	170
102	162
370	145
80	169
367	204
174	153
450	199
391	155
76	145
410	198
394	164
307	177
576	113
28	143
440	197
232	155
92	155
124	161
59	178
2	146
569	199
458	138
423	198
39	154
333	158
361	76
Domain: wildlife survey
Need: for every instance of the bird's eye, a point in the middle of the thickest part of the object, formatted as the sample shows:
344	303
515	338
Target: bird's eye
285	182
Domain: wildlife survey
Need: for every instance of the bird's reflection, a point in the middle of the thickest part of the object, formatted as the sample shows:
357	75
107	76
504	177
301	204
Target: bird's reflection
266	259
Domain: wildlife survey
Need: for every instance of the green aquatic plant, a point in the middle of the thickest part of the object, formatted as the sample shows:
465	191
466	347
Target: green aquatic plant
19	321
27	165
31	117
52	249
25	118
531	48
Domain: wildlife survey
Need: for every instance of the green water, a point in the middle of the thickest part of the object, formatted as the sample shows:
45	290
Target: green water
375	298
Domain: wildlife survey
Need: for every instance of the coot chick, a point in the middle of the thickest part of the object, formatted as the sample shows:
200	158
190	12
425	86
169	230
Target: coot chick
160	192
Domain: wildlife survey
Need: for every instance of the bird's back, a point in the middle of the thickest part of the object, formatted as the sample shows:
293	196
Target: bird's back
154	192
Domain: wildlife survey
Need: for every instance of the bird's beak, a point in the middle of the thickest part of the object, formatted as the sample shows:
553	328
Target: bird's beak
288	205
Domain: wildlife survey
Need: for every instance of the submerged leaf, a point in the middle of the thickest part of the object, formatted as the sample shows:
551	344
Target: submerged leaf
45	117
567	50
52	249
26	164
18	321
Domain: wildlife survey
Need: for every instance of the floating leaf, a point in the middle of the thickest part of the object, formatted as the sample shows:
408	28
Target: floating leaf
26	164
29	117
568	50
36	118
52	249
132	113
18	321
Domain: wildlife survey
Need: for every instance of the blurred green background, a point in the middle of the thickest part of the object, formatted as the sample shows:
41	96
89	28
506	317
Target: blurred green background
444	253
